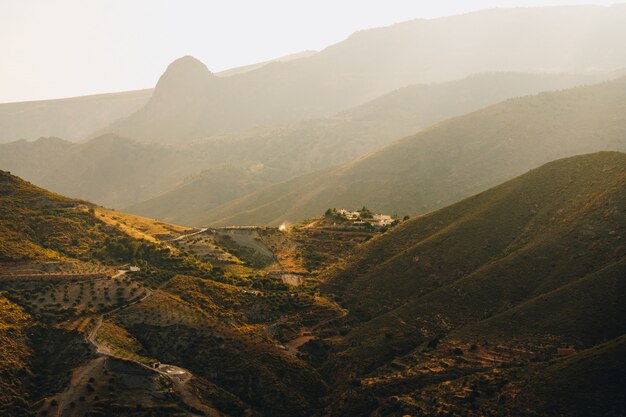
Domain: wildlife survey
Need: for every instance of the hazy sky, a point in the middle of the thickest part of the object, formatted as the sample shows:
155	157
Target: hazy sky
62	48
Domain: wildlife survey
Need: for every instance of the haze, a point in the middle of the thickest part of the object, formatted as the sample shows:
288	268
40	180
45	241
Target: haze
289	208
54	49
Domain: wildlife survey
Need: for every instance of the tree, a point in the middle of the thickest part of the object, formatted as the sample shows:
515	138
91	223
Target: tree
365	213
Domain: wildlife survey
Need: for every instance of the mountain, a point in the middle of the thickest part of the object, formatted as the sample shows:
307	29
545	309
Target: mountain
271	155
109	170
448	161
81	332
252	67
530	265
206	190
70	118
76	118
373	62
463	311
309	85
38	225
181	184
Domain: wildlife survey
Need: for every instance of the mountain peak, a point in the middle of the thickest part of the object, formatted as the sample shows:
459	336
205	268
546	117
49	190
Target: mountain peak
185	74
187	64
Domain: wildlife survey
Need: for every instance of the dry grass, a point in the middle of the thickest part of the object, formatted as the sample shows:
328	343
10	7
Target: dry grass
140	227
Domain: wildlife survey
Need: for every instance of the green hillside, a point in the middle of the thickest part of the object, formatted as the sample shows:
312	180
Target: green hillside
37	225
459	311
83	344
556	232
533	264
450	160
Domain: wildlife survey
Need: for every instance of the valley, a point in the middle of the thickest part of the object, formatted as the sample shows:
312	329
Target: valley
300	303
398	209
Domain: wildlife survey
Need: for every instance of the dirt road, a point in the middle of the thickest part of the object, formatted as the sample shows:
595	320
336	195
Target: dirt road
179	377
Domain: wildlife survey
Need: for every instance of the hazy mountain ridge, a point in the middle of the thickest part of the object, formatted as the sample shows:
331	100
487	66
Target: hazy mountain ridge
76	118
110	170
69	118
450	160
373	62
124	173
276	154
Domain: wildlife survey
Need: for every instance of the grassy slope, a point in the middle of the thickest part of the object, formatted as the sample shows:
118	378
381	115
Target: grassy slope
140	227
37	224
522	253
451	160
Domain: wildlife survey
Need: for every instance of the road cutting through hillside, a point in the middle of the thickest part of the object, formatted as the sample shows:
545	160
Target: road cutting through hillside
178	376
181	237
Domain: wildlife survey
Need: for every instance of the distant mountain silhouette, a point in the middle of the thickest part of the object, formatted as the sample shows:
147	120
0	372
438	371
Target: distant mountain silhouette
376	61
450	160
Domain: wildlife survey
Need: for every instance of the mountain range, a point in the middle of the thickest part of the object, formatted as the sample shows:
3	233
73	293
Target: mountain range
425	219
450	160
309	85
181	184
463	310
373	62
536	261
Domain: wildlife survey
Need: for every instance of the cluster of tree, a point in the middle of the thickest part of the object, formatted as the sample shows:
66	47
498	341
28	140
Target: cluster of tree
126	249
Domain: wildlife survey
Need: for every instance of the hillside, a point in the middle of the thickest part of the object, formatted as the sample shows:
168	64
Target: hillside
69	118
450	160
374	62
76	118
516	271
153	180
561	384
106	328
458	311
57	262
107	170
271	155
38	226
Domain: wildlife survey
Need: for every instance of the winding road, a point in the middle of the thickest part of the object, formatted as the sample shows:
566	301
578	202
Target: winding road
179	377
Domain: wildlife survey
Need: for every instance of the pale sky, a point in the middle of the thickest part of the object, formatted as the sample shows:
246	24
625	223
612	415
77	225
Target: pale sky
64	48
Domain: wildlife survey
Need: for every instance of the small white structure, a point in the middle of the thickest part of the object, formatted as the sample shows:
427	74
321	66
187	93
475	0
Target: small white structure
134	269
381	220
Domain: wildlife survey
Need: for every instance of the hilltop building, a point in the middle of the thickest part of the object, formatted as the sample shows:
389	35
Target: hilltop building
363	217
